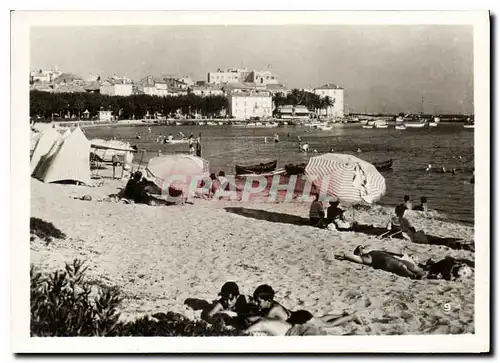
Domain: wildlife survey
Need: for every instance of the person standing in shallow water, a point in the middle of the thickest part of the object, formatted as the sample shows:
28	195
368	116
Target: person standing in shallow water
276	138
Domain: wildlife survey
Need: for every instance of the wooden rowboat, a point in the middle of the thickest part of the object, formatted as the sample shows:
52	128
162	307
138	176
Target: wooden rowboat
257	168
383	165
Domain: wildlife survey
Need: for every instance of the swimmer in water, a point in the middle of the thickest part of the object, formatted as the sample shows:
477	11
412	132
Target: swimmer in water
359	150
428	169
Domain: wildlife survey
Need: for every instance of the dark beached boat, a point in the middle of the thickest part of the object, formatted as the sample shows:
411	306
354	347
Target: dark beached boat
383	165
257	168
295	169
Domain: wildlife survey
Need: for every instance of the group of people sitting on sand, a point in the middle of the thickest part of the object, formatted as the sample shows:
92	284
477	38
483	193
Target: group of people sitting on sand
262	314
333	218
402	265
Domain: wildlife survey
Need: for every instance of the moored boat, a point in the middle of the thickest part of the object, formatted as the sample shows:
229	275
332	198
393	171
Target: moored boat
383	165
400	127
173	142
256	168
295	169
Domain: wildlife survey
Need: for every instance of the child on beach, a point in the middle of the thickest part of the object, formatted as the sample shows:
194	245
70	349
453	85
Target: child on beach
231	303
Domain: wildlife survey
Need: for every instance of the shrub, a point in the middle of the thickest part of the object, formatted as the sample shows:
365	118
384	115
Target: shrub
61	305
45	230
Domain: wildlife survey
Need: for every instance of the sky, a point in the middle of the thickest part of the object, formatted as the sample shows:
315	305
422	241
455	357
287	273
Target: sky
396	68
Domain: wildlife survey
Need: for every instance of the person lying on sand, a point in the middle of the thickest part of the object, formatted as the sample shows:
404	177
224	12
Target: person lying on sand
282	328
387	261
232	307
449	269
270	310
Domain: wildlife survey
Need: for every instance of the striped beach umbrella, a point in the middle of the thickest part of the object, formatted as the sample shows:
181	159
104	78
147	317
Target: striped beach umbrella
346	177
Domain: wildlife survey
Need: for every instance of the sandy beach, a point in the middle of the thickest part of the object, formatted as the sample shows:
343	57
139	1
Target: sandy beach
161	256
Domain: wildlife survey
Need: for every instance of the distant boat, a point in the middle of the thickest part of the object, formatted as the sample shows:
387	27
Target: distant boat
324	127
400	127
415	124
200	123
383	165
221	123
178	123
368	126
271	124
211	123
173	142
380	124
435	122
470	123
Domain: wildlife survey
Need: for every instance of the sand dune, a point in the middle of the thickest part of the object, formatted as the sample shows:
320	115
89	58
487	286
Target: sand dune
161	256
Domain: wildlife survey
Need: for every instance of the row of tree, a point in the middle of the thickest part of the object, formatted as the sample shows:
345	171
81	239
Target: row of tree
311	100
48	105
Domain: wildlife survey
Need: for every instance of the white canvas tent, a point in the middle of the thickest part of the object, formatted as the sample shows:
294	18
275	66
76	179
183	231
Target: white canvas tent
68	159
47	139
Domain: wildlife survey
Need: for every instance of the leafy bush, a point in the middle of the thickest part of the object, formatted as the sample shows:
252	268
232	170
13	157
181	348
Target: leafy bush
61	305
45	230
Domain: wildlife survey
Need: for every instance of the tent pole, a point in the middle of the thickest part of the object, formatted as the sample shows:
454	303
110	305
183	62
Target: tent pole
140	162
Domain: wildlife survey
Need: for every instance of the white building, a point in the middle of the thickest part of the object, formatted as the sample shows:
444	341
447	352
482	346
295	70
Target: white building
187	80
154	86
245	103
113	87
105	115
336	95
233	75
206	91
263	78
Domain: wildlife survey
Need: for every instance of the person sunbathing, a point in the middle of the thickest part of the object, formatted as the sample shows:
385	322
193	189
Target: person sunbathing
398	264
282	328
232	308
271	310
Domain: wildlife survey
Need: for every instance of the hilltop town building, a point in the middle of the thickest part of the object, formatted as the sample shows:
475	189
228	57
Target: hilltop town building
336	95
44	75
116	87
247	103
154	86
